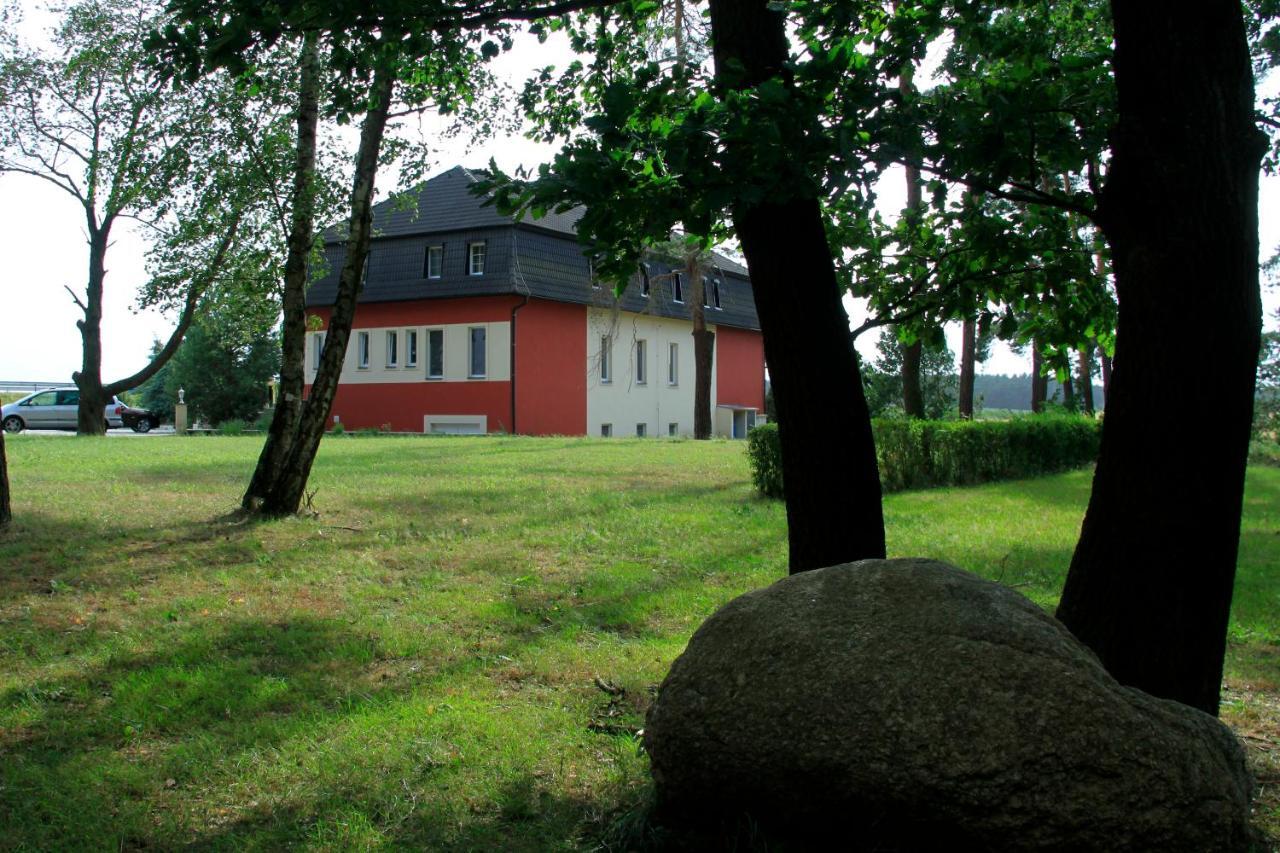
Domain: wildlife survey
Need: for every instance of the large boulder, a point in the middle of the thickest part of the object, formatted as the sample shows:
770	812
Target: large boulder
909	702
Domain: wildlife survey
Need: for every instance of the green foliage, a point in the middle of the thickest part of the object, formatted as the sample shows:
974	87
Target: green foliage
764	449
233	426
1266	403
914	454
939	383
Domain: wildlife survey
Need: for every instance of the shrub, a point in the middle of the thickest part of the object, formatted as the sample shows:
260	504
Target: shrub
337	429
765	452
235	426
913	454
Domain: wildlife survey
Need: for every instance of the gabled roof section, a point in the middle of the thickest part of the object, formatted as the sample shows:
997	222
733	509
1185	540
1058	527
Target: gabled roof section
446	203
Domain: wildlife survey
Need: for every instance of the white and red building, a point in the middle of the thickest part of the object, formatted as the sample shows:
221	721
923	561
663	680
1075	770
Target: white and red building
474	322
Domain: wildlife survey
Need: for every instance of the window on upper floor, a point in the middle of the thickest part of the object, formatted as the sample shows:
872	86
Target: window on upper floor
606	358
673	364
393	349
677	291
475	258
644	279
433	263
642	373
715	292
435	353
478	361
362	349
411	348
317	349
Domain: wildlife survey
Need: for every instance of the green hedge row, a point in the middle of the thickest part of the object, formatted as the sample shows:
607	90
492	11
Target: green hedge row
916	454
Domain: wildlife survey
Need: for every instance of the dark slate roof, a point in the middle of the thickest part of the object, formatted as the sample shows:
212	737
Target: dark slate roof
540	258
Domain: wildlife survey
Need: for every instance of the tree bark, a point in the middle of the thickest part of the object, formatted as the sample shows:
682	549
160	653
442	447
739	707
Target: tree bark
1039	382
93	398
285	495
830	481
293	337
1085	363
1150	583
968	358
6	513
1106	375
912	392
1068	393
704	342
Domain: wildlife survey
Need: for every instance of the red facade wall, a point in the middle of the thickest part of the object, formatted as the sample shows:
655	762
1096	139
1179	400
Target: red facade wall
739	368
402	405
551	369
429	312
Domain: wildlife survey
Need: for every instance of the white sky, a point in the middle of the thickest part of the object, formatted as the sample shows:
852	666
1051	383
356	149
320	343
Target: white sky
42	242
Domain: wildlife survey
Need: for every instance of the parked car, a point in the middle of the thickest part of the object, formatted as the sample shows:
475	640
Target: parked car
54	408
139	420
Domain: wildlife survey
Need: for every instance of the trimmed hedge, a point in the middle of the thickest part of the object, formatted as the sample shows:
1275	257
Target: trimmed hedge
916	454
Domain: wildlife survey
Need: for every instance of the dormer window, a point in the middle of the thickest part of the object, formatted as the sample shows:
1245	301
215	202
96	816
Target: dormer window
475	258
715	293
433	263
677	292
644	279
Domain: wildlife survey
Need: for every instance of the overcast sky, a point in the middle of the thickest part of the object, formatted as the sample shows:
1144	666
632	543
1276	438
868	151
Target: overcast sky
42	242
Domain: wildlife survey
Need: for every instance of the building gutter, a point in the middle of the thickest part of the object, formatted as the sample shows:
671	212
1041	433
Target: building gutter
515	309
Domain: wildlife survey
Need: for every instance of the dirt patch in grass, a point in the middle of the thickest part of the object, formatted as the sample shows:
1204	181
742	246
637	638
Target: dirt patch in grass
1254	715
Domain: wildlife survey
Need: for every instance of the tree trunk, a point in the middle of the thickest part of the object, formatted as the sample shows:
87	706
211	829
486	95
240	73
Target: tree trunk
912	392
285	495
968	357
5	512
1039	382
1068	393
1106	375
1084	361
703	351
1150	584
293	338
830	480
93	398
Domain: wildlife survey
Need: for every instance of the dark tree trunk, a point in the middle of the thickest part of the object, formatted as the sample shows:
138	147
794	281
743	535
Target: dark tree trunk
832	488
912	392
1150	584
1085	363
5	512
293	338
1106	375
285	495
968	357
93	398
1039	382
704	342
1068	393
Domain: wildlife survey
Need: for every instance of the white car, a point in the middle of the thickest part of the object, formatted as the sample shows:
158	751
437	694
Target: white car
55	408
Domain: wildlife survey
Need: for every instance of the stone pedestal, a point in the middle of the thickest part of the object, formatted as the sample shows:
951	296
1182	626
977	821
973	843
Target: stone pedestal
180	418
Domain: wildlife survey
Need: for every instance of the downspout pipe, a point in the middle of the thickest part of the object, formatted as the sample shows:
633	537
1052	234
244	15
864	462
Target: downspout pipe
515	309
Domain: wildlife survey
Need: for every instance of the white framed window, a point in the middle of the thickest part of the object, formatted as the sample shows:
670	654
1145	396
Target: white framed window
393	349
641	429
715	294
475	258
644	279
362	349
706	293
317	349
642	374
591	274
433	263
410	347
606	430
673	429
606	358
477	353
435	353
673	364
677	291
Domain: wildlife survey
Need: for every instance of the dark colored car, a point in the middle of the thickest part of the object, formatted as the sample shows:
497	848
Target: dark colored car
139	420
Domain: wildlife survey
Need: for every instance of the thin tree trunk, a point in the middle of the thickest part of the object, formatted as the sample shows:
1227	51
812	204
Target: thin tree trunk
285	496
968	357
1039	382
703	352
93	398
832	488
293	338
6	513
1106	376
1084	362
1068	393
1150	584
912	392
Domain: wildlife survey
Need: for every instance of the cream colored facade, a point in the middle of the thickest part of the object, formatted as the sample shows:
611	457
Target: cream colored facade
457	355
620	399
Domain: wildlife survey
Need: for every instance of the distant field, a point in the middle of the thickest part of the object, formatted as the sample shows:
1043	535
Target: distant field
420	665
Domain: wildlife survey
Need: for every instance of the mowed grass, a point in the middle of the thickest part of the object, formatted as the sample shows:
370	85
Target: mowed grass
454	654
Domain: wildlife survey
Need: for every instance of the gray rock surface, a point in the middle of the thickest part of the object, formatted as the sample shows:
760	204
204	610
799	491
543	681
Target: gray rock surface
914	703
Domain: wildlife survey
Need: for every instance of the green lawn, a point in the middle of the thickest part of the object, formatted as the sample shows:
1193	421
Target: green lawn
423	664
